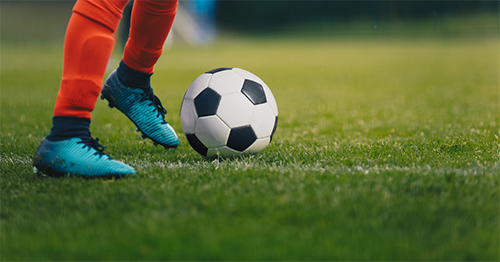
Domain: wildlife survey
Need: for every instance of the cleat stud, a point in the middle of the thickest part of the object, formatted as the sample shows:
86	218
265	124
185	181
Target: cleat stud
144	136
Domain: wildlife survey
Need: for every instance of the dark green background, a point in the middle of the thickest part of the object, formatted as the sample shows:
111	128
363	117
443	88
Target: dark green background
258	16
265	15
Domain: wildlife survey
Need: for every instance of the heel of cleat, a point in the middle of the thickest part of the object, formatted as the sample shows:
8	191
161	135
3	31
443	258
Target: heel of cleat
110	102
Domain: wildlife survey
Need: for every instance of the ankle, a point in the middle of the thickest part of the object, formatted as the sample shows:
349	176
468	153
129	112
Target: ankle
66	127
133	78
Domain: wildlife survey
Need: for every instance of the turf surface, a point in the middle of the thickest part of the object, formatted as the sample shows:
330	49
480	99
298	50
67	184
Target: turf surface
386	149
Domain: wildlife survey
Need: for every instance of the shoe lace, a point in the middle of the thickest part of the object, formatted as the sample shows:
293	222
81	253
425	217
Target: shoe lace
93	143
155	102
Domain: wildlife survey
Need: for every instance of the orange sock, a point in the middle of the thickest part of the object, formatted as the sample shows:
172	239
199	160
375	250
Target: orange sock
87	48
89	42
151	22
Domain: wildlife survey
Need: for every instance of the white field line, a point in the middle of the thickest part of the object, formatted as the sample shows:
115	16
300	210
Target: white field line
245	164
308	168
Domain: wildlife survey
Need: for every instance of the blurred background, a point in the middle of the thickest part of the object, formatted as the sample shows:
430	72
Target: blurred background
201	22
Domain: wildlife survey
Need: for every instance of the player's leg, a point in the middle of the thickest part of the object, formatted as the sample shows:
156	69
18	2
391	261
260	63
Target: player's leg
69	148
128	88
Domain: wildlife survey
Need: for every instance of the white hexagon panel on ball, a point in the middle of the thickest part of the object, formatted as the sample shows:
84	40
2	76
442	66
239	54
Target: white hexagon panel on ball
235	110
211	131
226	82
263	120
188	116
258	146
248	75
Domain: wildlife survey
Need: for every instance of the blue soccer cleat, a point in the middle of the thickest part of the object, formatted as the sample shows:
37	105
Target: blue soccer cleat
143	108
77	156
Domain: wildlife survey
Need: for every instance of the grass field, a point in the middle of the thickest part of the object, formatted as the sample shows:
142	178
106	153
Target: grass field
386	149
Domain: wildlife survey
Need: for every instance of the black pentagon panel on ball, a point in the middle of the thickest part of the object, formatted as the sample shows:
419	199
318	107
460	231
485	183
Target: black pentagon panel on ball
207	102
218	70
240	138
254	92
274	129
197	145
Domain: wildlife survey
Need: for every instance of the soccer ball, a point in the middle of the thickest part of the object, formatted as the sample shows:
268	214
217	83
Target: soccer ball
227	112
